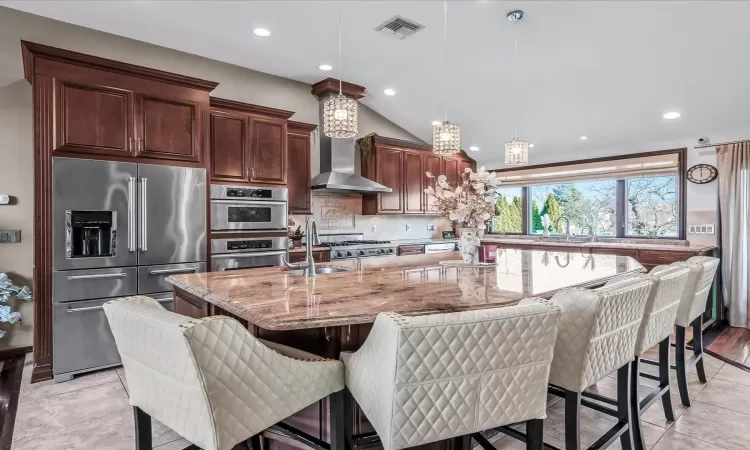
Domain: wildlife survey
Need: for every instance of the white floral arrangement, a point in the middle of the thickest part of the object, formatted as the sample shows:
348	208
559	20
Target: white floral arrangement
471	203
9	290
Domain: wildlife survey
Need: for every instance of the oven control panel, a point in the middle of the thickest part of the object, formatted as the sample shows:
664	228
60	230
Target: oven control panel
251	244
249	193
342	253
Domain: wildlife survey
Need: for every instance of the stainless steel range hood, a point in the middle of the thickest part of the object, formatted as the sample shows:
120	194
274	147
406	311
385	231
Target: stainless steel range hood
337	168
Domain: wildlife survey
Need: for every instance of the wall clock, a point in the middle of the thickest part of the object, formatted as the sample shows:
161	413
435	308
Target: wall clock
702	173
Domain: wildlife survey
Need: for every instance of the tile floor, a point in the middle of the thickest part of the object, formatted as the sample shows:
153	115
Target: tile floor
92	412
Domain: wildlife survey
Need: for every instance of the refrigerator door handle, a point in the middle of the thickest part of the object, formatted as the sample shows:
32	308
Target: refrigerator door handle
144	218
131	214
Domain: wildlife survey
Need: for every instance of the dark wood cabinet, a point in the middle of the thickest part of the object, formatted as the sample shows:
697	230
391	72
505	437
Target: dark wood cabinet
94	119
168	128
434	165
390	162
319	256
414	182
268	150
464	164
298	176
248	143
411	249
228	146
450	170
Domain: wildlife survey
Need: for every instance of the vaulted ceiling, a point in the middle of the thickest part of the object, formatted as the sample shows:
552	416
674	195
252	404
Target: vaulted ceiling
608	70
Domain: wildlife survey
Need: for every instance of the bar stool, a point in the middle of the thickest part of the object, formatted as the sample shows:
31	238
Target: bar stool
693	304
429	378
598	332
214	383
656	328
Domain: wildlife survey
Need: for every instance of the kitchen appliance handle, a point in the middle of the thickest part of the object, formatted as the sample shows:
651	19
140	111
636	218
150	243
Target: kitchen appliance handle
97	276
178	270
86	308
243	255
144	216
131	214
248	202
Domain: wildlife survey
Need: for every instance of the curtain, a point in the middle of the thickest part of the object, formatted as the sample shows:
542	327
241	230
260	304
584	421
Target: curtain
734	204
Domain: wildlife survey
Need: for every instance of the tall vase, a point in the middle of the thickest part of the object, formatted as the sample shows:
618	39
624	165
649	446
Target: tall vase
468	244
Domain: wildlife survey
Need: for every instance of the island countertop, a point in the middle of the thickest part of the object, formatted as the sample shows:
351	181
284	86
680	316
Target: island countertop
276	299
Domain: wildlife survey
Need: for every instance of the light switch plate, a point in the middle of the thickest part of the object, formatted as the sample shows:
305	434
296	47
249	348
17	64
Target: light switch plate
701	229
10	236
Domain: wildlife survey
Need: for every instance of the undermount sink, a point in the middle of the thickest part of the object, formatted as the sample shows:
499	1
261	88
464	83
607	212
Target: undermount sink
319	271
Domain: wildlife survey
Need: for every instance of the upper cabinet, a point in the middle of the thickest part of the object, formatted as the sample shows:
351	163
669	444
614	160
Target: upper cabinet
298	176
248	143
402	166
102	108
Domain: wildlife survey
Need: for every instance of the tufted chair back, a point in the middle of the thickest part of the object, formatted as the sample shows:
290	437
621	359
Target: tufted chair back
209	379
598	331
693	303
424	379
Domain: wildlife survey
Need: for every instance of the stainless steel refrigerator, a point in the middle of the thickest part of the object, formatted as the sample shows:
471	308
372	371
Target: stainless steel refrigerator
120	229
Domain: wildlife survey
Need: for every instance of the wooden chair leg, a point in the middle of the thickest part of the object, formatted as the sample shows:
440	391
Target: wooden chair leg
680	365
572	420
337	419
664	366
698	348
624	412
535	434
635	406
142	429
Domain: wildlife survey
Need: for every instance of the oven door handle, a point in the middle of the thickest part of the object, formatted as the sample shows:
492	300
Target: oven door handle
170	271
248	254
248	202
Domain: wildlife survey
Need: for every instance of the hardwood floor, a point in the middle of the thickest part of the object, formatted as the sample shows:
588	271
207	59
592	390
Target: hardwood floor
734	344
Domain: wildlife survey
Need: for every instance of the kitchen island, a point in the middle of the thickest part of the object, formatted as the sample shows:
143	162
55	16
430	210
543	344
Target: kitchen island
334	312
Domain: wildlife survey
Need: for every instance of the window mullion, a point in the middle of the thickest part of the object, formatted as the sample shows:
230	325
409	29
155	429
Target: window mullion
620	211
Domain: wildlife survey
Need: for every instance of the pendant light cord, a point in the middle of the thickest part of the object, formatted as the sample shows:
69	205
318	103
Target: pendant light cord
515	66
445	49
340	83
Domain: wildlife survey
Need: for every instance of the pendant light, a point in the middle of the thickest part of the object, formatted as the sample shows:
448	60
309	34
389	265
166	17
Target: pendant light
516	150
340	112
446	136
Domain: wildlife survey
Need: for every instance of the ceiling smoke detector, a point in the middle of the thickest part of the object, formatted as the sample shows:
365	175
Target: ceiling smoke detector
398	27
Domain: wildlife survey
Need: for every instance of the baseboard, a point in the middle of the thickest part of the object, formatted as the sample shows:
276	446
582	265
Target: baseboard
41	372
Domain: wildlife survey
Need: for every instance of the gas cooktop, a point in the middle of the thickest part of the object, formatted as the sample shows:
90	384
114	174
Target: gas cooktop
350	243
344	247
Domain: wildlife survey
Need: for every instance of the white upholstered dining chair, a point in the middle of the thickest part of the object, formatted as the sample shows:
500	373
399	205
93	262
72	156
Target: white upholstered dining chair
598	332
210	380
429	378
656	328
690	313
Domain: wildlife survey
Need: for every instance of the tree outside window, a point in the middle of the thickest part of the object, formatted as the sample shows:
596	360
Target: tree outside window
588	204
508	215
651	206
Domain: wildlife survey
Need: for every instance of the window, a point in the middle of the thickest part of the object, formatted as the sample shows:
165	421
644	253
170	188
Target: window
508	211
651	206
590	205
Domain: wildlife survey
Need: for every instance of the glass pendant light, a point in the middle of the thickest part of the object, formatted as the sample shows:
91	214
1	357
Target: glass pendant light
340	112
516	150
446	136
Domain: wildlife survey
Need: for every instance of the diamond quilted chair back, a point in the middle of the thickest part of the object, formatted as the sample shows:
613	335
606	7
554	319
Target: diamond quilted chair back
162	376
429	378
598	331
693	303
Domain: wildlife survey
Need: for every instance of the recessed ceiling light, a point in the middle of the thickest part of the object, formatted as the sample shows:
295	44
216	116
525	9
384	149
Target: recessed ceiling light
325	67
583	138
671	115
474	148
436	122
261	32
389	92
531	145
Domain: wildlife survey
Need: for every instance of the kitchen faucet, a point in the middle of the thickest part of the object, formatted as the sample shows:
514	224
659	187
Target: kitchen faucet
313	239
567	226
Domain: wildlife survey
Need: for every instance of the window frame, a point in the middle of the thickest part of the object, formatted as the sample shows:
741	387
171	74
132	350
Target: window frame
620	198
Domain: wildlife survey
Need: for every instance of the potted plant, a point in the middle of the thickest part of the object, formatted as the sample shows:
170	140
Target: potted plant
468	205
8	290
296	237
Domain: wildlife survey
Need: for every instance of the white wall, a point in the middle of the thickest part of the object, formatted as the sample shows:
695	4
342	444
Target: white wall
16	135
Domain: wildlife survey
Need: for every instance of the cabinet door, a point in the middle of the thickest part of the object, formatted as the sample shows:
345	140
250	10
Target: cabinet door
414	175
390	169
463	165
450	170
434	165
94	119
169	129
298	173
268	151
228	147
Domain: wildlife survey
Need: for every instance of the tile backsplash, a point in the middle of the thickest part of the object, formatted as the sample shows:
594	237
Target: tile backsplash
343	214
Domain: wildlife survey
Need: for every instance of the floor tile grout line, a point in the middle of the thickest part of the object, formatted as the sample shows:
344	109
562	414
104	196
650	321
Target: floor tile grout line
721	407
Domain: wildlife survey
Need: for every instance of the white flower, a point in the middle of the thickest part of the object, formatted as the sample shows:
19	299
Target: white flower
448	194
458	190
429	190
467	170
442	178
429	175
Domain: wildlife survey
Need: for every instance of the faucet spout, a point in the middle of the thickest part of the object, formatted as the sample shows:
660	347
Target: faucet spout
567	226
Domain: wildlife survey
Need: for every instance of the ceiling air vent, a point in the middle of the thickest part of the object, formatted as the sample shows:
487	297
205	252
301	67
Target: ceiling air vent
398	27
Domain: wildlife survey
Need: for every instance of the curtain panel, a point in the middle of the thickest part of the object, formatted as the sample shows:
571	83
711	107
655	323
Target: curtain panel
733	162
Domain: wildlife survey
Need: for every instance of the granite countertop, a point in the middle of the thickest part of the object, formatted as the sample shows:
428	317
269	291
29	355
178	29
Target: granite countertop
303	249
601	244
275	299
